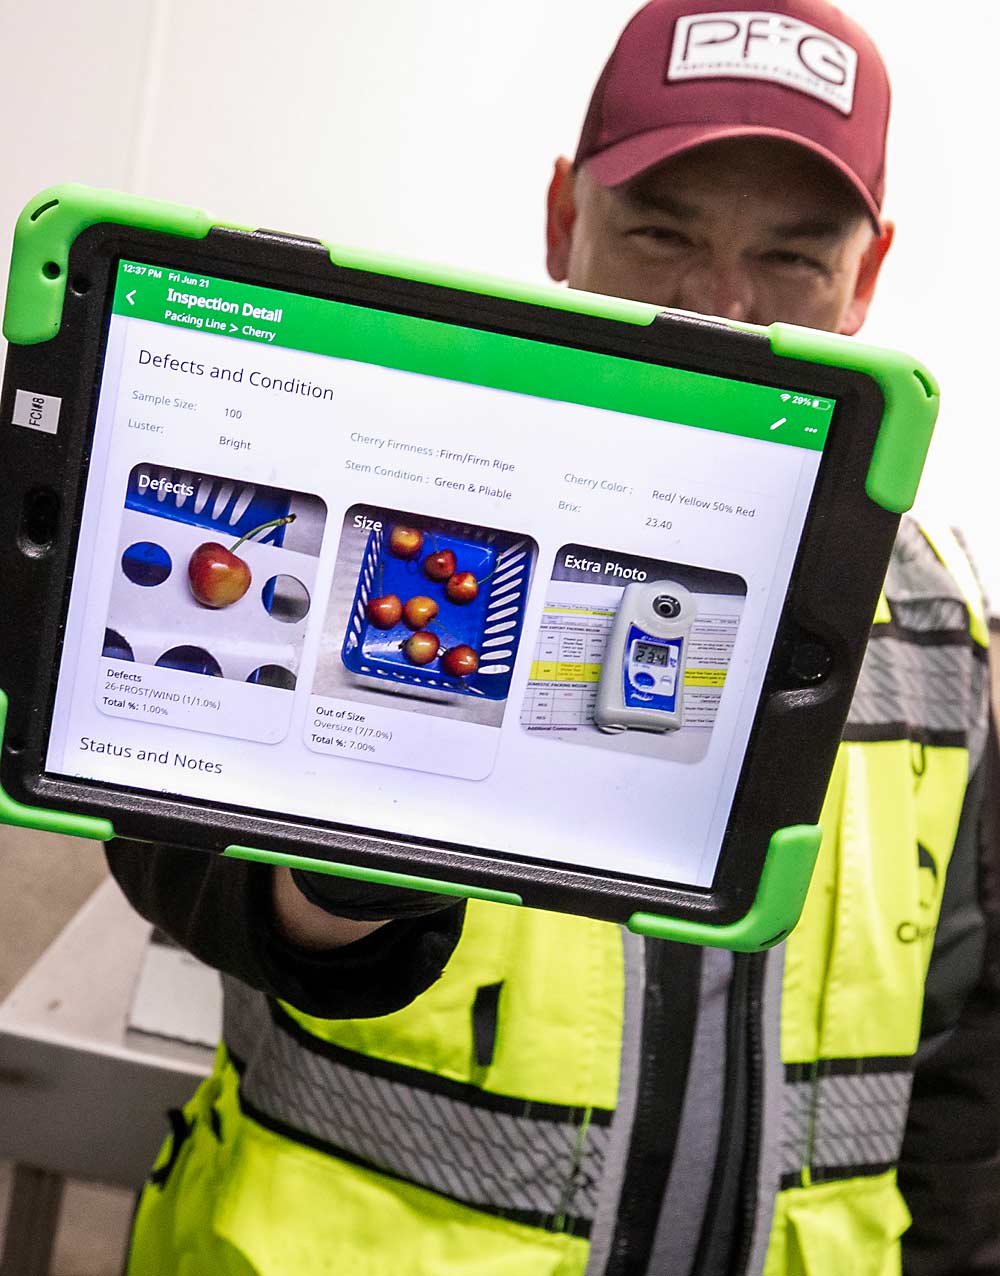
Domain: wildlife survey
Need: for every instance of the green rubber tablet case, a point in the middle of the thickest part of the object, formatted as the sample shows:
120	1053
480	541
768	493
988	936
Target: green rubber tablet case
67	244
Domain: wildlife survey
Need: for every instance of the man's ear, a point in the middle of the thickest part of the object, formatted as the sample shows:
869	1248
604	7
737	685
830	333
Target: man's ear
864	289
561	214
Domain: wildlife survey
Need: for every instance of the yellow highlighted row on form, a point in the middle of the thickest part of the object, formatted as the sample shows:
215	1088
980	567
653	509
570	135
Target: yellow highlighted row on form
563	671
567	671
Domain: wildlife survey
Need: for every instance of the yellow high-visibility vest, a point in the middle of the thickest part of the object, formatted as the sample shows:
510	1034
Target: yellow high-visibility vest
416	1145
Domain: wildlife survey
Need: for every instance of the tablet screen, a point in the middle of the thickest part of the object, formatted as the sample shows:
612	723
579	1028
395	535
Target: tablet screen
383	571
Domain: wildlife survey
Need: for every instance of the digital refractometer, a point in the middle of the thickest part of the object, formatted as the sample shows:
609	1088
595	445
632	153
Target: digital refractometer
642	676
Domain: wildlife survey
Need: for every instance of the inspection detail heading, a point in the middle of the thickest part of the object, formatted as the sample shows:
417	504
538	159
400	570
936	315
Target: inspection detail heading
266	316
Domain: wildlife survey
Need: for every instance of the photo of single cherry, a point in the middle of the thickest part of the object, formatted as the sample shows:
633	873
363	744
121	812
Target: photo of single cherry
405	542
419	611
218	576
422	647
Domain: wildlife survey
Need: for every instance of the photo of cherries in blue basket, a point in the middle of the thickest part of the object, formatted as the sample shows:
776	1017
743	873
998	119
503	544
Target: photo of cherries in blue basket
438	604
445	580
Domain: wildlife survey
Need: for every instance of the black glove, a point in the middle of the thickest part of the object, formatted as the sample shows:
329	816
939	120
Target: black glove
367	901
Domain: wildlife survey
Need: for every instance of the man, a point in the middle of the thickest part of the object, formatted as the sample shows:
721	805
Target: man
565	1098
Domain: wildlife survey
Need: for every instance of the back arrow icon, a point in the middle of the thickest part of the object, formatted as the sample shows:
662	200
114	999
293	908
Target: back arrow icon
130	297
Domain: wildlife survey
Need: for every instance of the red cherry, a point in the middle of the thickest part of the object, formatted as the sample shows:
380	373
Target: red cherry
462	587
421	648
460	661
406	542
440	565
218	577
384	612
419	611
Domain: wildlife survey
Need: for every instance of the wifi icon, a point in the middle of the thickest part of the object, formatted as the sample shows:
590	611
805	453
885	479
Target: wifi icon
785	398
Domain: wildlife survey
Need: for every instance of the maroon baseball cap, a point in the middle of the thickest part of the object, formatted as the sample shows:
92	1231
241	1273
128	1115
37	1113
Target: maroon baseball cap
687	72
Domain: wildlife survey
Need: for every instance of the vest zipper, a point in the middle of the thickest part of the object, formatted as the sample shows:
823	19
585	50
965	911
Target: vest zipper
728	1227
673	980
755	1111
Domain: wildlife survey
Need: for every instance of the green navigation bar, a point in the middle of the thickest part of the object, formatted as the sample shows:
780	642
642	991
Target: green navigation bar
269	317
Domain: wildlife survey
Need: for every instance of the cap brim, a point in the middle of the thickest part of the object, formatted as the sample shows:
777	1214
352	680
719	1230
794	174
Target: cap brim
629	159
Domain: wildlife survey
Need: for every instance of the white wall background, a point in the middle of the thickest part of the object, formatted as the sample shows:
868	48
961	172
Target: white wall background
429	130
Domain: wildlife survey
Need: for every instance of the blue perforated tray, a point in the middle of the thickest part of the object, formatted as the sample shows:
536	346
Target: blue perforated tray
213	502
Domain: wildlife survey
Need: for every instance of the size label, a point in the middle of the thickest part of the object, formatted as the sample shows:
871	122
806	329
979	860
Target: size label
36	411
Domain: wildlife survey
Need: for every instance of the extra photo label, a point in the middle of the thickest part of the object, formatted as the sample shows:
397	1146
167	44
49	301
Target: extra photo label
765	46
36	411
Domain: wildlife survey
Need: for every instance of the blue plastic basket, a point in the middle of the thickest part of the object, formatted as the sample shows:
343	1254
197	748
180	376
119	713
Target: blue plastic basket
490	624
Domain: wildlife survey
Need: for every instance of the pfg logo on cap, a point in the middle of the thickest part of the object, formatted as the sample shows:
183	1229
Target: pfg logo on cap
765	46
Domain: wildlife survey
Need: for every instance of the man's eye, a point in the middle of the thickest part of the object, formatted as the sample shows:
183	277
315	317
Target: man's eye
785	257
662	235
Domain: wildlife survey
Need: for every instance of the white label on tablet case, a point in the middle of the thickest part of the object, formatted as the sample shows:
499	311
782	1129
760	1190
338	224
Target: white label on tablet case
765	46
36	411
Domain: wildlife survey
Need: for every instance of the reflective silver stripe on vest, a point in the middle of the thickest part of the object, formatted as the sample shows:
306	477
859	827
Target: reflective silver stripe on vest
620	1135
930	691
859	1121
924	676
844	1118
922	592
796	1126
931	615
536	1162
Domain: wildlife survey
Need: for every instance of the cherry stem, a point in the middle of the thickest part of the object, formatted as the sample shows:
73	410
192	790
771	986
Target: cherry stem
445	633
275	522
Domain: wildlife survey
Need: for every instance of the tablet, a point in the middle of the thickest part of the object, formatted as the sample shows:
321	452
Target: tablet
519	593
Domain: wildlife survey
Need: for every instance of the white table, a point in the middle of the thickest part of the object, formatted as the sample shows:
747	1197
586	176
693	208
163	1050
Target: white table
82	1095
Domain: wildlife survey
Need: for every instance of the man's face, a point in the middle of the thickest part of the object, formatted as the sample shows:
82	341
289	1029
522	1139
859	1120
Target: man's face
752	229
